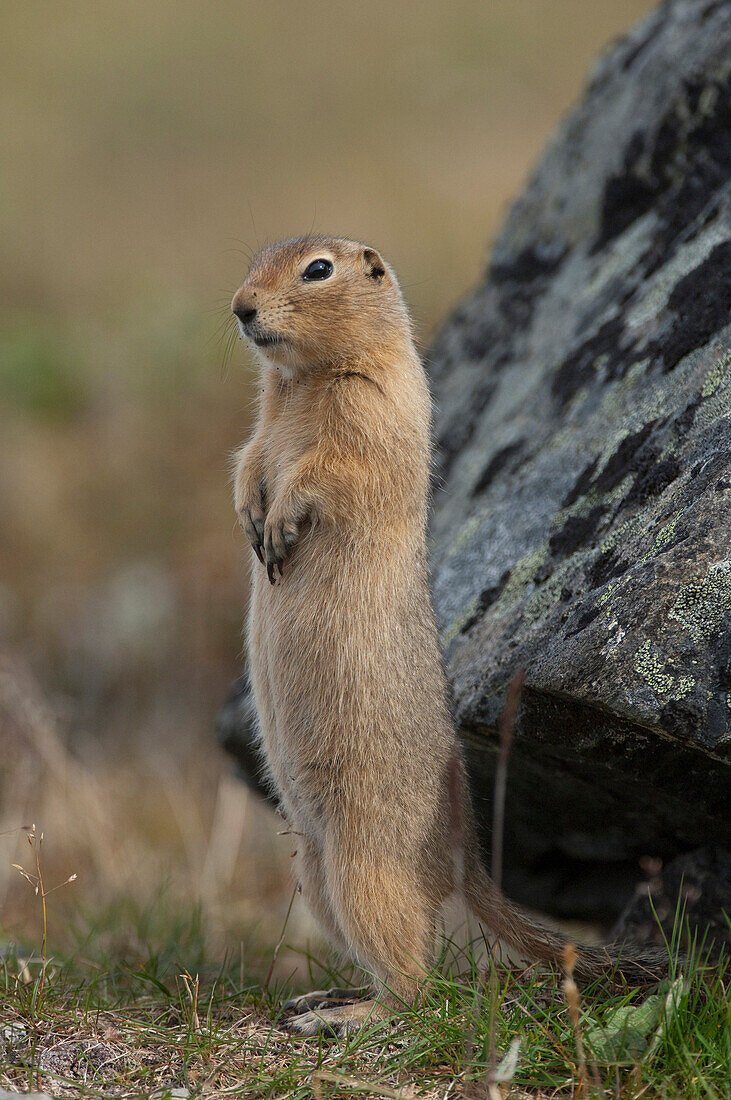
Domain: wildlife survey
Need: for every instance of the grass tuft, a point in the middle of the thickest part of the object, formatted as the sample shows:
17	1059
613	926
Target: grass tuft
172	1018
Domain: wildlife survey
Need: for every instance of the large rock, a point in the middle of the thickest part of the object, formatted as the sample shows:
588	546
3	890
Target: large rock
581	525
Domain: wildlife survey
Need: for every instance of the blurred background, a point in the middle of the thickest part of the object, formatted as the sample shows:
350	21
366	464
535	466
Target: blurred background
146	149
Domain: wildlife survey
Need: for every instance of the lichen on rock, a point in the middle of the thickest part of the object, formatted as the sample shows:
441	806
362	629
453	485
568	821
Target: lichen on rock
702	605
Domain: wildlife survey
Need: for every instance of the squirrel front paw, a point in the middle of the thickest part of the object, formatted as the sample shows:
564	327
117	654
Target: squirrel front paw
252	519
280	535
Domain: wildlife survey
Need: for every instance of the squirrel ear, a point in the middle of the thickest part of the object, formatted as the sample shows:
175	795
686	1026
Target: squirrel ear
373	265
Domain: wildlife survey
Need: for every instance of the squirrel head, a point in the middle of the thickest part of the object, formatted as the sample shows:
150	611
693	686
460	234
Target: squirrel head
313	303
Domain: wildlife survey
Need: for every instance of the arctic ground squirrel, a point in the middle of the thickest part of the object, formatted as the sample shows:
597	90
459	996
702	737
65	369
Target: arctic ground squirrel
332	493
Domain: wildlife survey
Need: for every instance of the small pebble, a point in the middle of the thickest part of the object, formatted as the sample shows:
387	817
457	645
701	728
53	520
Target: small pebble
13	1035
5	1095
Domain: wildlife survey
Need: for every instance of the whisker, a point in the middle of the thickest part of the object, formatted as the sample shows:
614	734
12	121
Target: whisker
244	249
222	312
238	252
221	327
228	352
253	224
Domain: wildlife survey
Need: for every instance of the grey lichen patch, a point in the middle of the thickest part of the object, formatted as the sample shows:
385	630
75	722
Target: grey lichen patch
701	606
627	403
520	584
521	577
610	590
715	393
544	597
713	409
623	533
664	537
592	499
687	259
466	532
456	625
666	534
653	670
617	635
718	375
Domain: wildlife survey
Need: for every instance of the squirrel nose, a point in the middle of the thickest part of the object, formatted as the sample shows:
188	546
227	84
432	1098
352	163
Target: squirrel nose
244	314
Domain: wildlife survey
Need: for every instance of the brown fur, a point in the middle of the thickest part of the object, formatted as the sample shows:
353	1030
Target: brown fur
346	670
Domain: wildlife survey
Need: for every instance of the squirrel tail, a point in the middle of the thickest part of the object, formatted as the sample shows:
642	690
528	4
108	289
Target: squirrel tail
636	965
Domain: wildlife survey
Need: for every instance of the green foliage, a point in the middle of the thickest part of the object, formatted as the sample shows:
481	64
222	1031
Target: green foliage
627	1031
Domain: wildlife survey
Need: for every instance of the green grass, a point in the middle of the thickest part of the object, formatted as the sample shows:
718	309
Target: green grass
167	1017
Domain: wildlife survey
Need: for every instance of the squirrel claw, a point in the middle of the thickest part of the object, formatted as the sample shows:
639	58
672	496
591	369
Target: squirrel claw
280	535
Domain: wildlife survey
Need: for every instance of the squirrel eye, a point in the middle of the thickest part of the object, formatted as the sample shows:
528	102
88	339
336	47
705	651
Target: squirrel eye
318	269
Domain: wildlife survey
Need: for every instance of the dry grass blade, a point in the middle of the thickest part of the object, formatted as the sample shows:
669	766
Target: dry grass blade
507	729
571	994
280	941
191	989
373	1088
35	839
